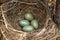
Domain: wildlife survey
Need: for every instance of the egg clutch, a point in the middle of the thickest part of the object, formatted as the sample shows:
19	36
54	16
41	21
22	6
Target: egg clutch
29	23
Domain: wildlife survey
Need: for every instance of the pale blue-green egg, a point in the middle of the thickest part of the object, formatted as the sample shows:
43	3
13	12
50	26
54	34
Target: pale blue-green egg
35	24
28	28
24	22
29	16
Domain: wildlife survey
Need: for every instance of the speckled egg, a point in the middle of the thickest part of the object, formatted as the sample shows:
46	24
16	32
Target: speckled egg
24	22
28	28
29	16
35	24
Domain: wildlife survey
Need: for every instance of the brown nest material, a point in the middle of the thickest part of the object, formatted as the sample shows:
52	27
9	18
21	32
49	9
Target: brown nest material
14	11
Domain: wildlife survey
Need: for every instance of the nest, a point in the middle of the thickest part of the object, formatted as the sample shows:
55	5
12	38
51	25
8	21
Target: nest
13	11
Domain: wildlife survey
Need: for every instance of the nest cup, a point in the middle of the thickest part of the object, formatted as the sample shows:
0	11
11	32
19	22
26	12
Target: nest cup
15	11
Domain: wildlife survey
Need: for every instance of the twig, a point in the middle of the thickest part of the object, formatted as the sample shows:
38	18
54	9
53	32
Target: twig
4	17
4	35
41	32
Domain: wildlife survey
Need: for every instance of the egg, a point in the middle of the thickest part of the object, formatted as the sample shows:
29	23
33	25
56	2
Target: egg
29	16
35	24
24	22
28	28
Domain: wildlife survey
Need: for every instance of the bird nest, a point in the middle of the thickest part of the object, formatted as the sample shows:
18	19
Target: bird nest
13	11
